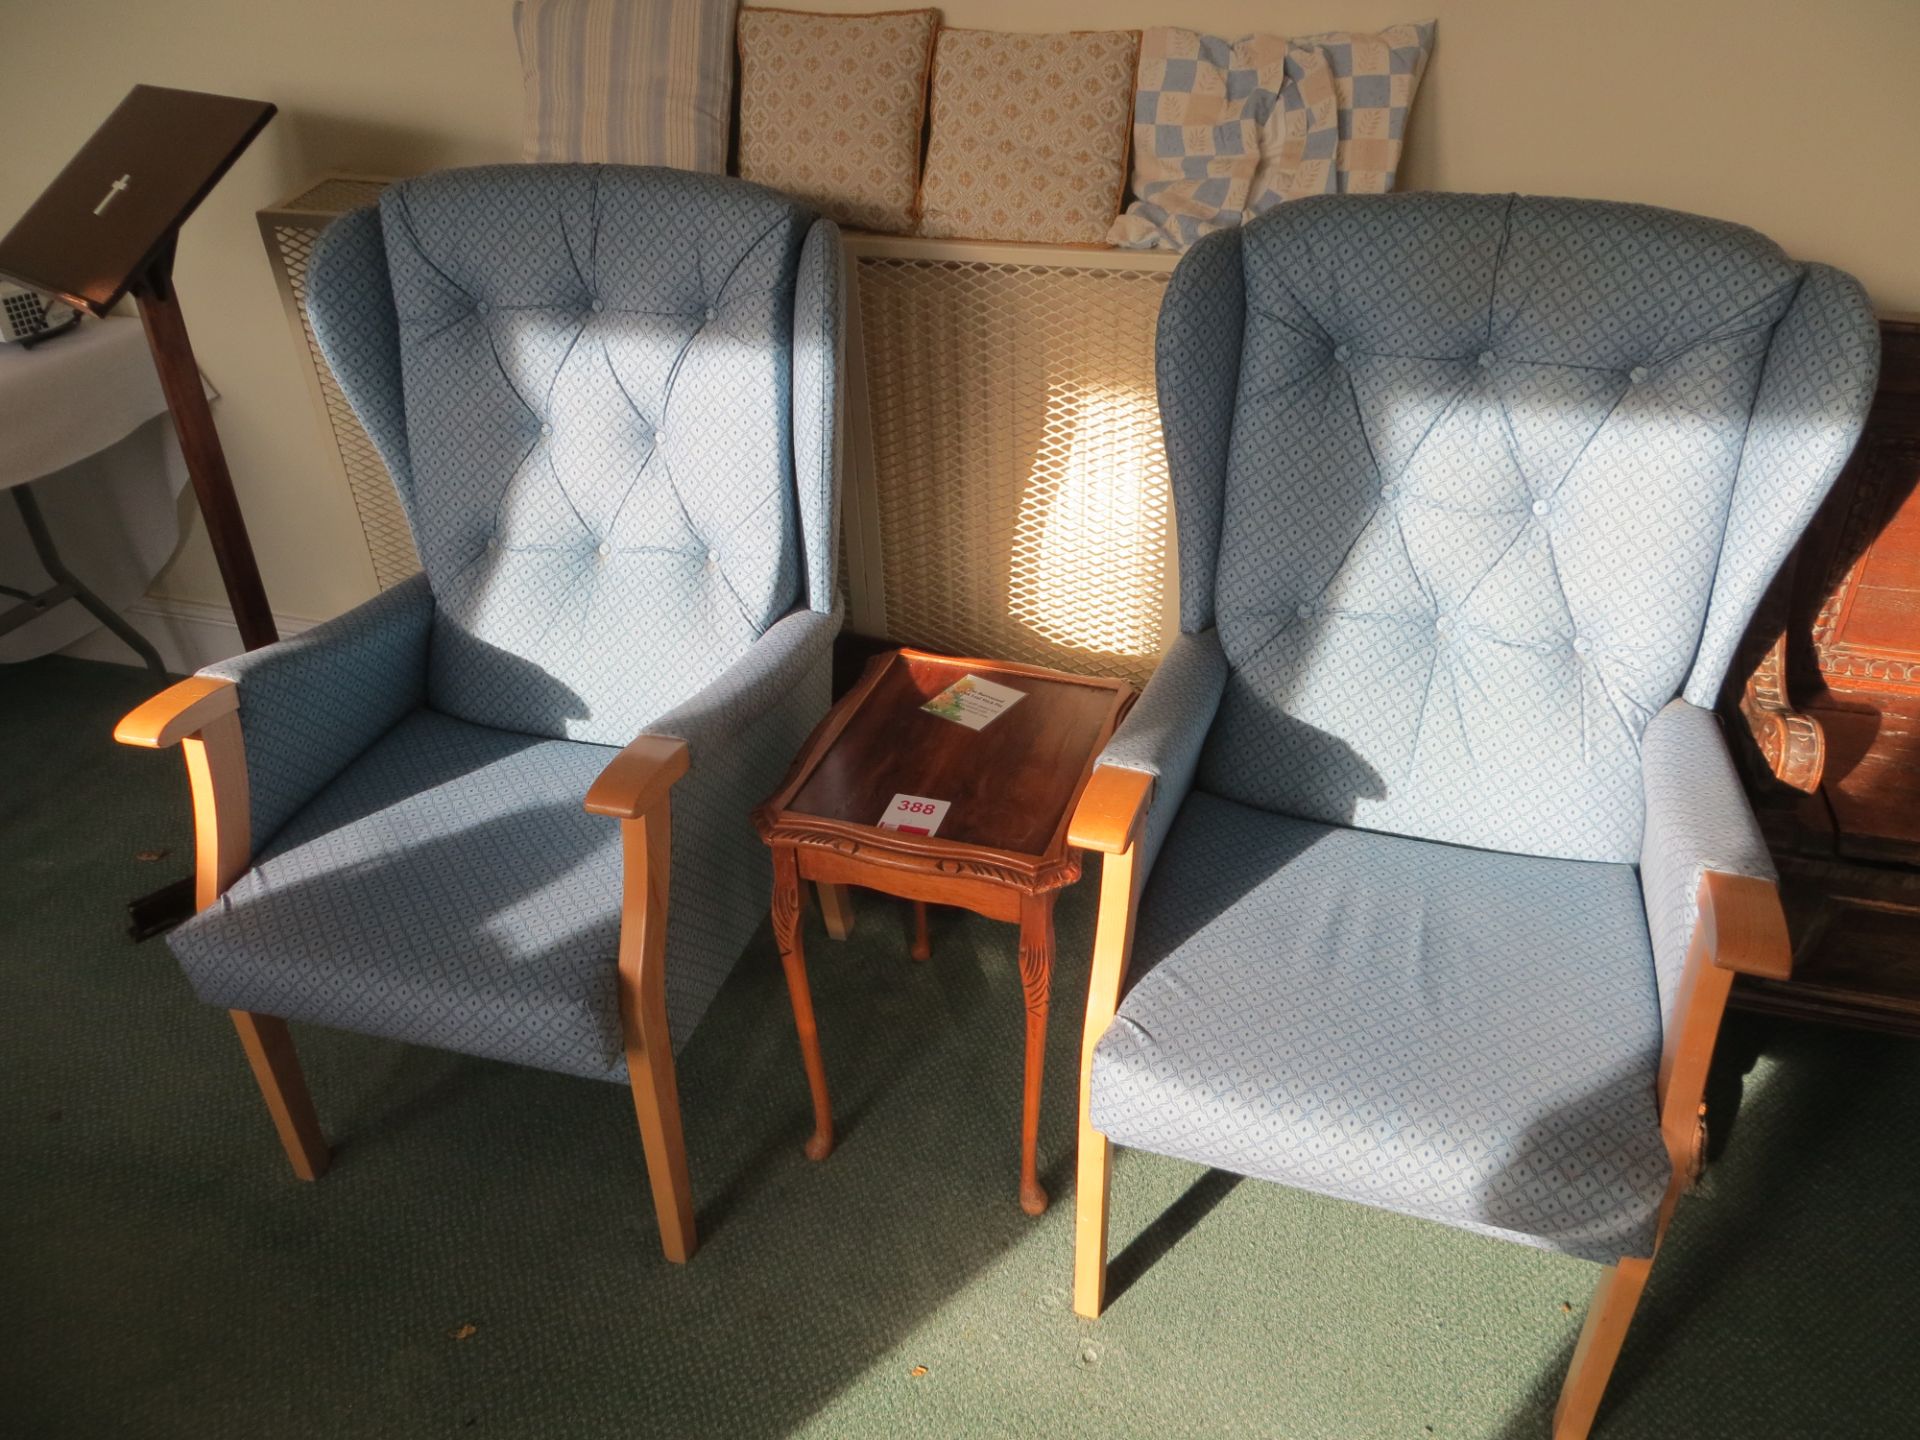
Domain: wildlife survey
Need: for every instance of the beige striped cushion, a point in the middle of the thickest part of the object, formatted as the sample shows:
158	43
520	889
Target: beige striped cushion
627	82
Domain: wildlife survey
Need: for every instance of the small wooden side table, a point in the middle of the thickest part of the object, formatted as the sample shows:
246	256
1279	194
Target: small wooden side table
1001	848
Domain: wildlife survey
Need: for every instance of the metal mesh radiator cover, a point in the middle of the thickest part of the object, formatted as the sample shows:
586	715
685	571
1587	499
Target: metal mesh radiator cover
1009	492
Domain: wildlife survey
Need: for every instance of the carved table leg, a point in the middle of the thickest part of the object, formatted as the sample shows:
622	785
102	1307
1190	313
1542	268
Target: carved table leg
922	946
1036	978
786	934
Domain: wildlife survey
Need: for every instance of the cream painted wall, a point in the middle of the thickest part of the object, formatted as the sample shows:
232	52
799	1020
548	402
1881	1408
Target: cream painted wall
1800	119
383	86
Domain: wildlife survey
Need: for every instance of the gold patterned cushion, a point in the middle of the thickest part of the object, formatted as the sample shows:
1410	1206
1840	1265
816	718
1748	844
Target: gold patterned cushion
1029	135
831	108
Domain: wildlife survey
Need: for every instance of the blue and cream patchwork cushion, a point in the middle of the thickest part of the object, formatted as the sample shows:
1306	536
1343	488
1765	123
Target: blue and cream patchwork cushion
1341	116
1198	106
1224	129
1463	1036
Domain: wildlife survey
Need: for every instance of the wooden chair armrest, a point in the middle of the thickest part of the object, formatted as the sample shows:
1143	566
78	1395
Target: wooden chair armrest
639	777
1111	809
1108	819
182	709
1742	925
201	714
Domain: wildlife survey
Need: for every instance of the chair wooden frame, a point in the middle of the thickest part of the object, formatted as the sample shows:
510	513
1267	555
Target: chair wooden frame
1741	930
201	715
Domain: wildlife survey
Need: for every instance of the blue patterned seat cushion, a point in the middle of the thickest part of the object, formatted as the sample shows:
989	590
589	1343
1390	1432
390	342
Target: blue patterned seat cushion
447	889
1463	1035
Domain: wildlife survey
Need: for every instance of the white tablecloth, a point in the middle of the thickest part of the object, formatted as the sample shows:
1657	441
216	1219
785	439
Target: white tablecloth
83	417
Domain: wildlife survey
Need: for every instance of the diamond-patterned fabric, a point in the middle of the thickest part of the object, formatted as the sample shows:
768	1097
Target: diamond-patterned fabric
1698	819
446	886
597	371
447	889
1469	489
1163	733
350	308
819	320
741	732
1822	370
1196	353
1455	1034
310	704
1482	456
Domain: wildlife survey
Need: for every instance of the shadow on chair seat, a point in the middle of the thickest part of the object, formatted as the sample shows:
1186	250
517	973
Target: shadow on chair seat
1436	1030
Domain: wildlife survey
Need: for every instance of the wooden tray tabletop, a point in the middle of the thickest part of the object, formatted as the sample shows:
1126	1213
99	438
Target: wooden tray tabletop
1011	785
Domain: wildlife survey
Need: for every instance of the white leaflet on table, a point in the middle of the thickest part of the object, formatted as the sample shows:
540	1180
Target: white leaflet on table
974	702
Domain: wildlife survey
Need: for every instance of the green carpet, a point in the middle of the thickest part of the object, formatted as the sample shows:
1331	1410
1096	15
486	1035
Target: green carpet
162	1274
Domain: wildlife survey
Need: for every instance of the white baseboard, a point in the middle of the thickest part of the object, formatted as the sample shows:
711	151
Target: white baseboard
188	634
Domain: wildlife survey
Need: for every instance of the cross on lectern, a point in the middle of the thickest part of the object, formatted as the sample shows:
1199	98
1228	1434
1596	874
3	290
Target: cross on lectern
113	193
107	227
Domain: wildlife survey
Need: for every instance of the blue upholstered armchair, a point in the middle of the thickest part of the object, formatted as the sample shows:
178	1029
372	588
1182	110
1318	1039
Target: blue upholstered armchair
607	397
1440	867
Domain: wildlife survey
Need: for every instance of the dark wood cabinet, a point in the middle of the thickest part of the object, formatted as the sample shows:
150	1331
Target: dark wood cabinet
1827	719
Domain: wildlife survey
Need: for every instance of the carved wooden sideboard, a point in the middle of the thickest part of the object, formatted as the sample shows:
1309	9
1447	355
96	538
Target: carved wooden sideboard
1828	723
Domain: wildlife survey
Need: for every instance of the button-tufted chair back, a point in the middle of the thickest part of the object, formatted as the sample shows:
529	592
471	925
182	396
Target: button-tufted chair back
583	379
1473	485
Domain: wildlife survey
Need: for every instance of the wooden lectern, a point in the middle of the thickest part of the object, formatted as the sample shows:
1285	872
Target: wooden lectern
107	227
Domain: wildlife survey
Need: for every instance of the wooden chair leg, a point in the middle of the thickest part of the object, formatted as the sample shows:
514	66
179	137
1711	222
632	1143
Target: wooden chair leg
836	908
1608	1315
647	847
656	1104
1112	946
276	1069
1092	1185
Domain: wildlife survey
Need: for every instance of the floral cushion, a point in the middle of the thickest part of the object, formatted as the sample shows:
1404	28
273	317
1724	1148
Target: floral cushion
1029	135
832	106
